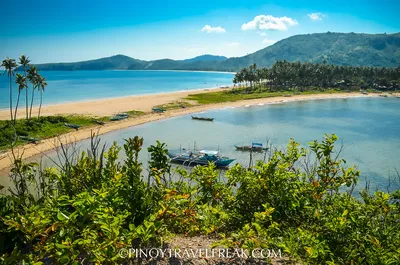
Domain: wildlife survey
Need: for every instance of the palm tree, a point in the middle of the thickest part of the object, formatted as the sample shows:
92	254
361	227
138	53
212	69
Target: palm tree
9	65
21	81
32	77
41	84
24	61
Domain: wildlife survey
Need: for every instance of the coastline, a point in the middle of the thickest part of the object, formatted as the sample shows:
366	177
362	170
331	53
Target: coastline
45	145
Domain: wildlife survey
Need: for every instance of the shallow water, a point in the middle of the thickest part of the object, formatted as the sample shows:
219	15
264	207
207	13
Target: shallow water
369	128
71	86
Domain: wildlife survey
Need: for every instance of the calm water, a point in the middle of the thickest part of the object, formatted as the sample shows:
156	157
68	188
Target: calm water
368	127
65	86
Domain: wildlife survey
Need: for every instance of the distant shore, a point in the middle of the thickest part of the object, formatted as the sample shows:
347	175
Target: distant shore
142	103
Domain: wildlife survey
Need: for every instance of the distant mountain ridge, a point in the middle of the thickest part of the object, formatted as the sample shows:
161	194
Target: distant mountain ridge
352	49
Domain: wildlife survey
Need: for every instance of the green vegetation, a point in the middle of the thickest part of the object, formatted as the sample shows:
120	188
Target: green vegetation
174	105
244	94
284	76
135	113
42	128
287	79
346	49
84	212
32	75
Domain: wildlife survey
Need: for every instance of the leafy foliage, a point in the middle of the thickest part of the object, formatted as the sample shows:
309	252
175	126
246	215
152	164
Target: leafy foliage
85	211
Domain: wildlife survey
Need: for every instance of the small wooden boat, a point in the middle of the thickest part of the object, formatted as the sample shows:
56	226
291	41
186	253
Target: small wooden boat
384	96
73	126
365	93
202	118
254	147
119	116
158	110
29	139
99	122
202	158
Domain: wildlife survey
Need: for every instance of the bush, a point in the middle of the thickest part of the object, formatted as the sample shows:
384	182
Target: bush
84	212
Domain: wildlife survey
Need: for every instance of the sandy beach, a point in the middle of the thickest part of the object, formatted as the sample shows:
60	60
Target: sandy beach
142	103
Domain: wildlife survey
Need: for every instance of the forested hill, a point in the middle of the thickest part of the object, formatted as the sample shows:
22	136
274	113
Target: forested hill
352	49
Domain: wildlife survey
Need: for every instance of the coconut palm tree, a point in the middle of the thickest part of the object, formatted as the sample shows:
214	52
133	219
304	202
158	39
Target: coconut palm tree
21	81
24	61
41	84
32	77
10	65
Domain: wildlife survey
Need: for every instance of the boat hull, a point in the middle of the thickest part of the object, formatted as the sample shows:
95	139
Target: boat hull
249	148
202	118
192	161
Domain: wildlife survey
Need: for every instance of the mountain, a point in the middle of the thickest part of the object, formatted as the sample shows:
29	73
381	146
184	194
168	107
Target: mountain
117	62
353	49
206	58
336	48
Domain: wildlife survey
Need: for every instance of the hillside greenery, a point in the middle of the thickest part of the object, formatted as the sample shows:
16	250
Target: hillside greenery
346	49
87	209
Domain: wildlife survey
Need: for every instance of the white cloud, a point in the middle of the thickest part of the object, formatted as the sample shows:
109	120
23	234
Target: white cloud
263	22
316	16
268	42
209	29
233	44
263	34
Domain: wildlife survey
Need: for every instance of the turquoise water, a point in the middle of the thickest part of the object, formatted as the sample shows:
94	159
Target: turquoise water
369	128
67	86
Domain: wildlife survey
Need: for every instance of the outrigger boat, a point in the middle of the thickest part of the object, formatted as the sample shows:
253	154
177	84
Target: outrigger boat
73	126
99	122
203	158
202	118
29	139
254	147
119	116
158	110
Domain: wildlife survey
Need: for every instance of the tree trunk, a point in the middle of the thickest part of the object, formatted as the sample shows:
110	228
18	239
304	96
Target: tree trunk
30	112
16	107
40	106
26	95
11	108
26	102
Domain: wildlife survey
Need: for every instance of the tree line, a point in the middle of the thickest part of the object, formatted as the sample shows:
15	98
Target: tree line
31	76
304	76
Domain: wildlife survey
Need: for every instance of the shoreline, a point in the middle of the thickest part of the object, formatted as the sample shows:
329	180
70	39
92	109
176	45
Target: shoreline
30	150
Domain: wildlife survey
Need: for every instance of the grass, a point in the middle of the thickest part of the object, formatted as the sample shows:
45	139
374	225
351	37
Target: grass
135	113
174	105
47	127
240	94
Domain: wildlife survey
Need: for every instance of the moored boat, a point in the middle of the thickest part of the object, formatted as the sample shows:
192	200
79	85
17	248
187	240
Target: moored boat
254	147
203	158
158	110
119	116
29	139
73	126
99	122
202	118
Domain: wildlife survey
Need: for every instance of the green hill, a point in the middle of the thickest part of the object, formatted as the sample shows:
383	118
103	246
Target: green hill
352	49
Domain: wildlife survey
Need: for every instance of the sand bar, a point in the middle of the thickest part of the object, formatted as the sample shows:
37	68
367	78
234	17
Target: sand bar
143	103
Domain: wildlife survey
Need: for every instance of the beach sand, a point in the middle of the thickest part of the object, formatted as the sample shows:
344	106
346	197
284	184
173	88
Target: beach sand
142	103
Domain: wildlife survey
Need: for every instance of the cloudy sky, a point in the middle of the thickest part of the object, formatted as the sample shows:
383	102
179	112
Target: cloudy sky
75	30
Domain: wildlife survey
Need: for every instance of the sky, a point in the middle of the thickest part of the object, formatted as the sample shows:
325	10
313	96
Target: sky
77	30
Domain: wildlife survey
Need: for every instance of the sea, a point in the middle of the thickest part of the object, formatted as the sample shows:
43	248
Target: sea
73	86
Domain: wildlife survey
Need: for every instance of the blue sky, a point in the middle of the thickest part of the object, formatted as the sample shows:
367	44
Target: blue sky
66	31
